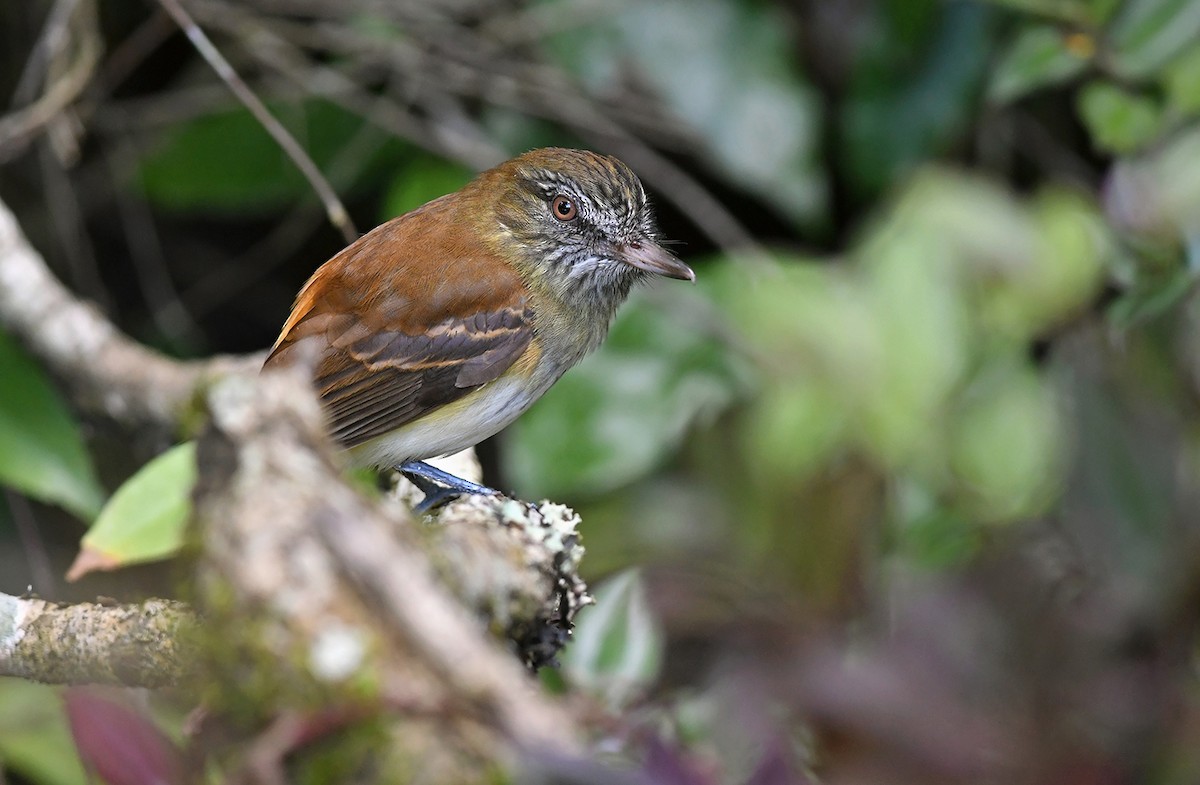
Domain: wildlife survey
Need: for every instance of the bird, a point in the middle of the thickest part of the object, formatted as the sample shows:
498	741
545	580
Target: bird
438	328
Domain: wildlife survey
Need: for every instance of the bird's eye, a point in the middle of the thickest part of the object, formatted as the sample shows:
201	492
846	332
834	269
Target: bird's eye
563	208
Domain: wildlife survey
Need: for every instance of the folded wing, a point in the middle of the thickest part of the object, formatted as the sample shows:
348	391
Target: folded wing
394	336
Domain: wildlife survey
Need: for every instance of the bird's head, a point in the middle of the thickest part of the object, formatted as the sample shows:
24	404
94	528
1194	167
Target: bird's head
578	223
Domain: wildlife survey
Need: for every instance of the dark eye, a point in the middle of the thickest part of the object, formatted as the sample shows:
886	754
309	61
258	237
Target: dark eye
563	208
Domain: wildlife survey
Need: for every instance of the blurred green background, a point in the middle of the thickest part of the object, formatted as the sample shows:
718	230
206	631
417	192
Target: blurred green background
914	464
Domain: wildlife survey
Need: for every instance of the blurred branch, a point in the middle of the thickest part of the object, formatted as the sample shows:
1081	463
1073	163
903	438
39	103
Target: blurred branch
335	588
334	208
106	370
137	645
441	62
278	52
65	85
305	587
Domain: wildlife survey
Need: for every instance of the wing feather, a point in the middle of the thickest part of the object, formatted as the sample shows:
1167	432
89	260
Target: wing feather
441	320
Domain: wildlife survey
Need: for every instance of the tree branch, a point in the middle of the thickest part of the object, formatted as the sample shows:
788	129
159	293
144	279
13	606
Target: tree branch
302	572
140	645
105	370
334	209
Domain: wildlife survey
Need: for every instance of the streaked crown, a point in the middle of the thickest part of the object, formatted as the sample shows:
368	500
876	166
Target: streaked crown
568	214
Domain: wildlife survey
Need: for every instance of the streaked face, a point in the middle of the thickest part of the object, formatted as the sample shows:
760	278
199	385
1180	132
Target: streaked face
588	218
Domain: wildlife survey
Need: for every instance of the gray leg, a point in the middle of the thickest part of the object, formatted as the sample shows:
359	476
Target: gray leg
439	486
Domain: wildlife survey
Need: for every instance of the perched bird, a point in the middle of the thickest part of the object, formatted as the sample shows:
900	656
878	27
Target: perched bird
437	329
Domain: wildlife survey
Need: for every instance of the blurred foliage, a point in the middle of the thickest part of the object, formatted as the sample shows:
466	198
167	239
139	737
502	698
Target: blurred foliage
728	70
912	493
42	453
915	75
226	161
915	351
35	741
621	412
617	651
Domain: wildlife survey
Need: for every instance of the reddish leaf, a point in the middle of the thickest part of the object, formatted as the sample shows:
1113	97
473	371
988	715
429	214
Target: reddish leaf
775	768
118	742
667	765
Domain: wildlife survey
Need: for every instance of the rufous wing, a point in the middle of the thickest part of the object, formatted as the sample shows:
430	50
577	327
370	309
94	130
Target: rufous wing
401	325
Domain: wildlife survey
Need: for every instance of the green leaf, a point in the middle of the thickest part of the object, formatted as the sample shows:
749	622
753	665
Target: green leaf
930	535
909	102
1061	275
729	70
1151	297
42	453
1148	34
1079	12
1182	83
614	417
196	167
792	430
924	332
421	181
1075	249
617	646
1006	449
1118	120
145	519
1039	57
35	741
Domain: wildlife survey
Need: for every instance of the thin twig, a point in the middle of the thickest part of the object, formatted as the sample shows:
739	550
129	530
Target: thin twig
71	231
530	86
334	208
17	127
254	263
106	371
53	40
389	115
168	312
131	53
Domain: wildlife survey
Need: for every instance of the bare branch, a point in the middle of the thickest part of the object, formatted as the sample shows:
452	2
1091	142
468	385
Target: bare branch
334	208
483	69
106	370
63	87
133	645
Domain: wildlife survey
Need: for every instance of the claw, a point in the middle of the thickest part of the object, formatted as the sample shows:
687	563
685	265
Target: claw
439	487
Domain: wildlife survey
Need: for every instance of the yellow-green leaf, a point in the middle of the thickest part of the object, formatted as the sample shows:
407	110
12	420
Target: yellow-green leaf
145	518
1119	121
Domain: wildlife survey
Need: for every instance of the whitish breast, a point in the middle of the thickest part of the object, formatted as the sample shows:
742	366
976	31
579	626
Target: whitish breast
469	420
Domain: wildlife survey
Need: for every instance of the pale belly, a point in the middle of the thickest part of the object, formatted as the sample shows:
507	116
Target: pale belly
469	420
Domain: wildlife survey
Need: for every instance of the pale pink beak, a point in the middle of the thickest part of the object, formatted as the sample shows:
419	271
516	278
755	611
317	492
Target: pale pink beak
653	258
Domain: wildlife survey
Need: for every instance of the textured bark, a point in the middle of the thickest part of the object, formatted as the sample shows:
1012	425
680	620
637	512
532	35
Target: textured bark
338	597
141	645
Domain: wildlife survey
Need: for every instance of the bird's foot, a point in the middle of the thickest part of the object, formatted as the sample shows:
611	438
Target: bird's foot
439	487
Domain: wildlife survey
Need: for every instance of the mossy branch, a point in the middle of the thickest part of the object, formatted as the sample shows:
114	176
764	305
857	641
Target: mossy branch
137	645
